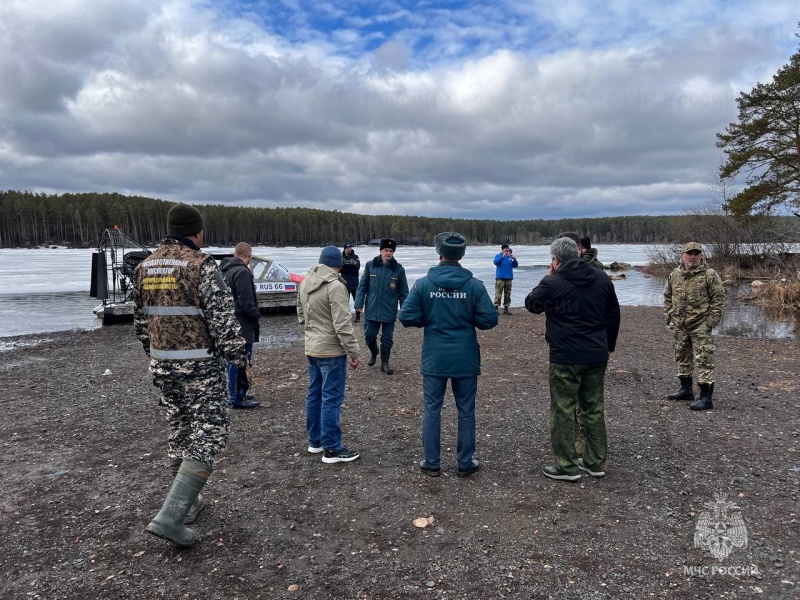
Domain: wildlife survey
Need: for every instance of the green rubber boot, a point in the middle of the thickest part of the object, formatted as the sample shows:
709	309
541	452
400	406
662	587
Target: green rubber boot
199	503
168	523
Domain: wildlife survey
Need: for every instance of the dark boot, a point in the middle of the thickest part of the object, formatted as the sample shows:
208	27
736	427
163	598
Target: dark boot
385	354
704	402
168	523
245	403
685	393
506	311
373	349
199	502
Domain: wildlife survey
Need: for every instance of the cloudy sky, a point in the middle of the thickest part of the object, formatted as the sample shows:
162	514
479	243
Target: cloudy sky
507	109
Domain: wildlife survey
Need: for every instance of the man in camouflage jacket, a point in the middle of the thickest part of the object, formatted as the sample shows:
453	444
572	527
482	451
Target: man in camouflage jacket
184	317
589	254
693	302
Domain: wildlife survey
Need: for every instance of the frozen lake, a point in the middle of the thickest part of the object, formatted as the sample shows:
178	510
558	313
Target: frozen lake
45	290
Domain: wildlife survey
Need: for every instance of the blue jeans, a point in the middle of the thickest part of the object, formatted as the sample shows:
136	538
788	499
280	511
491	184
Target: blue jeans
326	379
235	393
371	333
464	391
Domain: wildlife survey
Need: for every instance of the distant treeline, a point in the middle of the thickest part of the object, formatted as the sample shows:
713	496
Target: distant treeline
28	219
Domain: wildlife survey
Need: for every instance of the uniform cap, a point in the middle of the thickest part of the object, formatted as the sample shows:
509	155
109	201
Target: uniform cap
388	243
451	245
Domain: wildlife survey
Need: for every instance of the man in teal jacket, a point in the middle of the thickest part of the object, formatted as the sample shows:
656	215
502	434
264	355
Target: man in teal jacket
449	303
382	287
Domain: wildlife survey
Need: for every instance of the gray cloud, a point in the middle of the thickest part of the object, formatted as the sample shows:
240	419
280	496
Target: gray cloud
167	101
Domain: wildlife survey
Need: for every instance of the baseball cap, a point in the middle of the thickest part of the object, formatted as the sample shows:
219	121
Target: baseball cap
692	246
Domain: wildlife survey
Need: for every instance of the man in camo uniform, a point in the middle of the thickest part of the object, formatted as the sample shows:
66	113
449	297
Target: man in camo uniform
184	317
589	254
693	302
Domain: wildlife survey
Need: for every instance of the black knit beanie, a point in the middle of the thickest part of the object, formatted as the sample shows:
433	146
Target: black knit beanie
585	243
184	220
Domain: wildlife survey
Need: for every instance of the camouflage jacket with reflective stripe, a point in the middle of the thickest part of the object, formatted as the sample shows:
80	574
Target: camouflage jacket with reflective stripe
183	308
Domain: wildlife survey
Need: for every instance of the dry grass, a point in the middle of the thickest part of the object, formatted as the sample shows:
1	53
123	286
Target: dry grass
782	291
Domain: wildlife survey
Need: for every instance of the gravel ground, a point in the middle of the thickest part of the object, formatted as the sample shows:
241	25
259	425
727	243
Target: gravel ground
84	468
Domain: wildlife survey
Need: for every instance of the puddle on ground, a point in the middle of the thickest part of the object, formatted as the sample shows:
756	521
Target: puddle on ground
278	341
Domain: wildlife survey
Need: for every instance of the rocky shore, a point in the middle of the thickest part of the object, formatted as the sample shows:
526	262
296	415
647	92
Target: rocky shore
84	469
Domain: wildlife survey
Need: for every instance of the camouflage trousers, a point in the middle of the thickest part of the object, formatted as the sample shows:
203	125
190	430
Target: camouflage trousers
194	392
502	287
695	345
578	390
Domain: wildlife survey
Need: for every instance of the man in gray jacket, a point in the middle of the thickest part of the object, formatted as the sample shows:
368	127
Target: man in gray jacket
323	309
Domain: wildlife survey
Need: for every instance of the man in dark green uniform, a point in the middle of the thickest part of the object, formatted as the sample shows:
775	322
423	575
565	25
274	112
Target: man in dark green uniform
382	288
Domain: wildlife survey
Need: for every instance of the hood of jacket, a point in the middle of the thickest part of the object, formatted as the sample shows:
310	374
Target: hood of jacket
230	263
698	269
578	272
318	276
449	276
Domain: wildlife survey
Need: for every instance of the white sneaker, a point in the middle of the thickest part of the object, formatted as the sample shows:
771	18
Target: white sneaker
582	466
314	449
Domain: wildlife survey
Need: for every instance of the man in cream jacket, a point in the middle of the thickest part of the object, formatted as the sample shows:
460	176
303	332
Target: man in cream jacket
323	309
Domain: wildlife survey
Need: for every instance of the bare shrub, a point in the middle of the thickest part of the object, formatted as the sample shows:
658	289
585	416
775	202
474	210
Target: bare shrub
663	258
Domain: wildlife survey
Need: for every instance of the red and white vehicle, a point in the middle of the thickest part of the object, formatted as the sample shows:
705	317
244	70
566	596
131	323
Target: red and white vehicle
276	287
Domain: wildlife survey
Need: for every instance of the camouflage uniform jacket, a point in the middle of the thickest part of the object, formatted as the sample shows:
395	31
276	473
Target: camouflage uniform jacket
323	309
693	299
590	256
183	308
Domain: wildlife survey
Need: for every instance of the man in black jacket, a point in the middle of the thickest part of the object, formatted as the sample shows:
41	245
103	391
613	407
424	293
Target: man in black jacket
240	280
583	320
351	266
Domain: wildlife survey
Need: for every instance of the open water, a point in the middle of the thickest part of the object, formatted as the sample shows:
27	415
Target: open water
47	289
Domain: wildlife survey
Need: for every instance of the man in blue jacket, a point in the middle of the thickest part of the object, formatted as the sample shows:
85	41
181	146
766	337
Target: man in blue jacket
505	263
583	319
382	287
449	303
